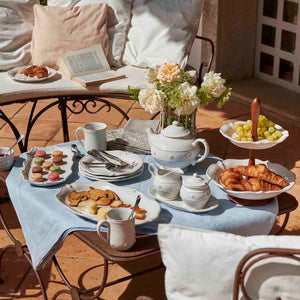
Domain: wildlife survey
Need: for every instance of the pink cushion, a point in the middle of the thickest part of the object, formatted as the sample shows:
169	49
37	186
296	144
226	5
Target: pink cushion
58	30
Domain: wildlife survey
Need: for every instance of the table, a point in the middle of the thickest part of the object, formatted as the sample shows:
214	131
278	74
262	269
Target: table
46	223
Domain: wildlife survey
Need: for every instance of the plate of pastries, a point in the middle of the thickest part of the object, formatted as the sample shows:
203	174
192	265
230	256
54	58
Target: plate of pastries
93	200
262	181
269	134
31	73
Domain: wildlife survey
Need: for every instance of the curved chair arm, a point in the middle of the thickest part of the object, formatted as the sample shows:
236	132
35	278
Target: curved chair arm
205	64
253	257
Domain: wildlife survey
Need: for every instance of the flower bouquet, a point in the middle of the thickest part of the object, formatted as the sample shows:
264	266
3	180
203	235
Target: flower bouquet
173	92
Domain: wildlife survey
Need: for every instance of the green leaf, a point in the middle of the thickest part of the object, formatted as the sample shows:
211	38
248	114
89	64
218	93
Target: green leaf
134	93
186	77
224	98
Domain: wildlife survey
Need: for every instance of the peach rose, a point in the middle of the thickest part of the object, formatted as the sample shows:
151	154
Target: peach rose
169	73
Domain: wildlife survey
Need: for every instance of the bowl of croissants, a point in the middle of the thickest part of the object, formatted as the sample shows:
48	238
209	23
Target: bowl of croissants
261	181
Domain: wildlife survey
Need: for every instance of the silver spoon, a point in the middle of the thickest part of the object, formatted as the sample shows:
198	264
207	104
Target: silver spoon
17	142
78	153
137	202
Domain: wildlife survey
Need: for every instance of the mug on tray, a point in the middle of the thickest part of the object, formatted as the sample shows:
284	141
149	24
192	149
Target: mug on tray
94	136
120	229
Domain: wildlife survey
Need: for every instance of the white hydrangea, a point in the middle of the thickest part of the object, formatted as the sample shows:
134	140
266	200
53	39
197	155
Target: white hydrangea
215	83
151	100
151	74
189	99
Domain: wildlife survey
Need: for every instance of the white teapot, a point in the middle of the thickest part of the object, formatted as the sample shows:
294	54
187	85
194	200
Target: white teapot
175	147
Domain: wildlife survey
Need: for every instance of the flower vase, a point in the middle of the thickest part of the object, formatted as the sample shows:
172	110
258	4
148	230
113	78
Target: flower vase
167	116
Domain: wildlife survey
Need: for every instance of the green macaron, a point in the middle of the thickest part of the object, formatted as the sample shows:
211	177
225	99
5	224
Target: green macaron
39	161
56	169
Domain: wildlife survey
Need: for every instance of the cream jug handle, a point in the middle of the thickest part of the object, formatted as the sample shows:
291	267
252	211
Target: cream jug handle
153	169
206	149
99	224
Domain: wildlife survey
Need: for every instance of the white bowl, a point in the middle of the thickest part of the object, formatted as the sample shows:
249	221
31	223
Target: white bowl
214	170
7	161
227	131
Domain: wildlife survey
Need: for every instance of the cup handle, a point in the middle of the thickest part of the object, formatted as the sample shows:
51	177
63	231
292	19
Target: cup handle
77	136
152	169
206	149
99	224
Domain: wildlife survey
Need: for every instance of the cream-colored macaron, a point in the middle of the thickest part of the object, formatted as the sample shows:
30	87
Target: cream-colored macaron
47	165
37	177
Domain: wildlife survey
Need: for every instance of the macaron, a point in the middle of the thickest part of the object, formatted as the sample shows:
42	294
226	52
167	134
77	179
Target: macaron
57	153
57	160
56	169
39	161
40	153
37	177
37	170
47	165
53	177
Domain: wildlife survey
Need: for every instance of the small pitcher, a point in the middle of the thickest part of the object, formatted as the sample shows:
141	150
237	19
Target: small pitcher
166	182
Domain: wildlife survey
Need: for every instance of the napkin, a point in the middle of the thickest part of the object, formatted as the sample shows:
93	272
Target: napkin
132	137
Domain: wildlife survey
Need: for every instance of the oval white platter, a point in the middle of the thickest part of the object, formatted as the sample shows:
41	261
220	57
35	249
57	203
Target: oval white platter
127	195
128	157
211	204
227	131
68	155
214	170
22	78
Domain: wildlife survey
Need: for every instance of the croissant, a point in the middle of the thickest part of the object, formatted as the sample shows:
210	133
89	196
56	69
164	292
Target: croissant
263	173
41	72
232	180
256	185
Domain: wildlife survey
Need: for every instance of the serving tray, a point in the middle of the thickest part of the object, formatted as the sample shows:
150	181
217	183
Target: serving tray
68	155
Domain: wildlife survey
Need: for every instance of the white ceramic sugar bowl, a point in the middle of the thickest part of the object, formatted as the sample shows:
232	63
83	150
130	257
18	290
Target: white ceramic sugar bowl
195	191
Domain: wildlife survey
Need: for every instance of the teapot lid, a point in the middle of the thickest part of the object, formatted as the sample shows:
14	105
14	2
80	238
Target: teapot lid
195	182
175	131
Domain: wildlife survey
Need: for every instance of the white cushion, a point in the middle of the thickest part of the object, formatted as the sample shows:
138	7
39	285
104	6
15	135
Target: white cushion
119	14
16	24
11	90
201	265
162	31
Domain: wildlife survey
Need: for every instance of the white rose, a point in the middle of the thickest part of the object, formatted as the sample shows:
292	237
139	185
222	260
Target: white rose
151	74
215	83
189	99
151	100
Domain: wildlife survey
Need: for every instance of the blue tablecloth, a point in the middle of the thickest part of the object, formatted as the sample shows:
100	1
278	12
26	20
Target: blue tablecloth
46	222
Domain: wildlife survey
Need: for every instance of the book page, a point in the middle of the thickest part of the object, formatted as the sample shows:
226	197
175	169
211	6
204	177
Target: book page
97	76
87	61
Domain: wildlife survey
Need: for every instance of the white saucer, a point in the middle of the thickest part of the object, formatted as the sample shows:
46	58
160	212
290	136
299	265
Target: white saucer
211	204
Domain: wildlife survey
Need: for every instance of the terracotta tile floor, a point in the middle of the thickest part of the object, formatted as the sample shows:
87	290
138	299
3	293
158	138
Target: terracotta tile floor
74	256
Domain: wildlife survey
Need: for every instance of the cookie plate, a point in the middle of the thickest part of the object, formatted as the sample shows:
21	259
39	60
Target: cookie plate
66	166
127	195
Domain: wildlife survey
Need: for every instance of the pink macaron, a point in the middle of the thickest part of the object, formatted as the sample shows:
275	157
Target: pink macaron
53	177
40	153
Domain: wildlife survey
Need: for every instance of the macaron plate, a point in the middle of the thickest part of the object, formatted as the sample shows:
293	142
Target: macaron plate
50	176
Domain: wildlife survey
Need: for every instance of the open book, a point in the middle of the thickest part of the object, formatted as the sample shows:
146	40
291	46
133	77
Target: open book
88	66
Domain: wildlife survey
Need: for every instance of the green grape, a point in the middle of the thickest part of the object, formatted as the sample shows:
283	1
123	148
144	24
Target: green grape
274	135
250	139
266	134
271	129
264	129
249	122
270	138
237	138
248	134
278	133
236	126
244	139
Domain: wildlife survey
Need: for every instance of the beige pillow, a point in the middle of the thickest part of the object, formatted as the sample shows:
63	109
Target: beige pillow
58	30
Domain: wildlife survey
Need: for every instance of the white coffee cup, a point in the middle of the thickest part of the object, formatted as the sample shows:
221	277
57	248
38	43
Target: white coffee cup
120	229
94	136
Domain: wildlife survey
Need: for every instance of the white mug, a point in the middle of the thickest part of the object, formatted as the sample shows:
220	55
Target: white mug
94	136
120	230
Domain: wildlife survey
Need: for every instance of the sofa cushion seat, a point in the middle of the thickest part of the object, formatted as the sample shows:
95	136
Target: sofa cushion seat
59	85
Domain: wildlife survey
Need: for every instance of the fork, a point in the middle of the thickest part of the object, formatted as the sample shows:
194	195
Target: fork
122	162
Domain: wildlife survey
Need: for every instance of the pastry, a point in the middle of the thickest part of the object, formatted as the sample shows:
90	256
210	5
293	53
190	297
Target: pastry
30	71
39	161
40	153
53	177
232	180
37	169
102	212
75	197
56	169
47	165
37	177
41	72
263	173
57	160
116	203
95	194
256	185
88	206
57	153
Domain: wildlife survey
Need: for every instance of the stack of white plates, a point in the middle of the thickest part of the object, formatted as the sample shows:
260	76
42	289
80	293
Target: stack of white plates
89	169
